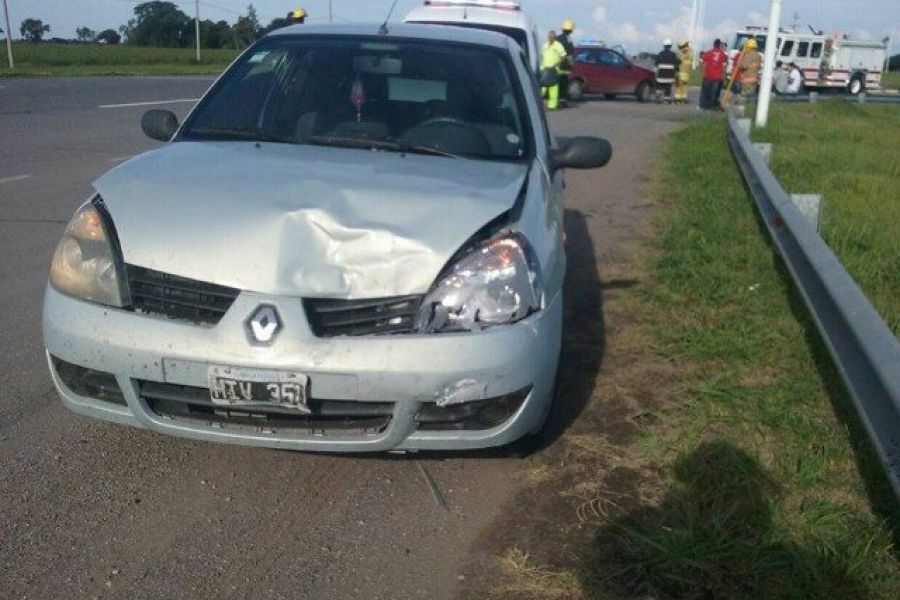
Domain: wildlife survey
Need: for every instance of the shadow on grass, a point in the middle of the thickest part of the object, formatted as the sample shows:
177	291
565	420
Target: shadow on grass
878	488
713	536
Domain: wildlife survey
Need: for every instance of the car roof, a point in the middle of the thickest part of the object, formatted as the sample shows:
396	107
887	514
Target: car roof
411	31
471	15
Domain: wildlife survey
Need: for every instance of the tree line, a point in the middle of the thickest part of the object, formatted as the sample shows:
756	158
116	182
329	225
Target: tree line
163	24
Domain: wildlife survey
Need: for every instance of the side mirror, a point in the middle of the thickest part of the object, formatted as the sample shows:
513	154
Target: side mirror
159	124
580	153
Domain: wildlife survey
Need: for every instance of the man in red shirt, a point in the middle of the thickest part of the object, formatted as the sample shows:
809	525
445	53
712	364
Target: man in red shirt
714	62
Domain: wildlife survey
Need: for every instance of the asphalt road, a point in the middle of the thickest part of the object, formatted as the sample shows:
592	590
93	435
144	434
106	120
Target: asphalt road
89	509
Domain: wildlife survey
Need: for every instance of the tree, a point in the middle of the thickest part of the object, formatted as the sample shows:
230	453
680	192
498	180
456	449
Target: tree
108	36
277	23
157	24
85	34
216	35
246	29
33	29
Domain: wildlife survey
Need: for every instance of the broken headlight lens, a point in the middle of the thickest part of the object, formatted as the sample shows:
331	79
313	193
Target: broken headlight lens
84	263
495	283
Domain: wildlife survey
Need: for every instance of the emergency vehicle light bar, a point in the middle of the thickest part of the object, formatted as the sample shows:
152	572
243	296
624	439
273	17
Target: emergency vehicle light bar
498	4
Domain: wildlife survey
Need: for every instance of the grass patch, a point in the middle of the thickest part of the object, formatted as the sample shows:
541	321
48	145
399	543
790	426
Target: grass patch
97	59
747	475
848	152
891	80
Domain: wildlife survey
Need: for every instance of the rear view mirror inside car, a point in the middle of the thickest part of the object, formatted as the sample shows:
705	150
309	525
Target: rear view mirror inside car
377	65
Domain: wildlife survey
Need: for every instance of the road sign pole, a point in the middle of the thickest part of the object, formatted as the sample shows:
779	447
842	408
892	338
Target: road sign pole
765	87
9	54
197	26
330	12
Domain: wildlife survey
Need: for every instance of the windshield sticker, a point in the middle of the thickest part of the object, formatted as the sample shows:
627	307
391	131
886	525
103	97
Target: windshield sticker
513	138
258	56
416	90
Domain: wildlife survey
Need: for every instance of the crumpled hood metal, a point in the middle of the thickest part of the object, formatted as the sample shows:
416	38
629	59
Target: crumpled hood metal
302	220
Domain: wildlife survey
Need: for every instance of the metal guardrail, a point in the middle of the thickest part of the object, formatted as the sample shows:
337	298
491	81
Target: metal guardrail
864	349
859	99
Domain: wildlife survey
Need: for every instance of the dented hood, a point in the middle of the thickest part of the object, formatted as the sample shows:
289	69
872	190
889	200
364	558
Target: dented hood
302	220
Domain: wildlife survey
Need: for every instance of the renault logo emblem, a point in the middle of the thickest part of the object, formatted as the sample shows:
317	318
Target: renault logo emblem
263	325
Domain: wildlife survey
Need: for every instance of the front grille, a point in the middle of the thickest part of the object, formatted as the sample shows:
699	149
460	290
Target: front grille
192	404
330	318
178	298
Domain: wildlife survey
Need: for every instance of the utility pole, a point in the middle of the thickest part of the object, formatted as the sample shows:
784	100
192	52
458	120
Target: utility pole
197	26
330	12
701	27
765	87
692	33
12	63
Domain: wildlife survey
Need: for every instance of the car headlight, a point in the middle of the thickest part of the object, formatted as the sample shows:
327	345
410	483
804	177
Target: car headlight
84	263
497	282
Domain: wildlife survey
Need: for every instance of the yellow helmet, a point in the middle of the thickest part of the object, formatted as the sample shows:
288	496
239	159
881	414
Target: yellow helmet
751	44
683	43
297	16
568	25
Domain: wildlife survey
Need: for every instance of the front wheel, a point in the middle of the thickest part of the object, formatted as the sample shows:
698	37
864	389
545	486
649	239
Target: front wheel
643	92
856	85
576	91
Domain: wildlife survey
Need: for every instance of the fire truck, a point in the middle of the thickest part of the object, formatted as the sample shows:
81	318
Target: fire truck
834	61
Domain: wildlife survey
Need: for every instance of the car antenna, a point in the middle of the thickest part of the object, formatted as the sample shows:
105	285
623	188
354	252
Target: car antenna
383	30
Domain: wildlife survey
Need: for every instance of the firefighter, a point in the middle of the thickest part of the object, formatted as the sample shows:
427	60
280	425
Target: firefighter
667	64
552	56
686	56
297	16
565	38
748	67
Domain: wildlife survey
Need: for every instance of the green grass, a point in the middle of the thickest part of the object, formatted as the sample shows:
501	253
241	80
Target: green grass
765	498
96	59
754	477
891	80
851	154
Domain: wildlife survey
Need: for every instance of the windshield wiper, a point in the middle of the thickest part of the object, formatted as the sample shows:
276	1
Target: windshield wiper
377	144
255	134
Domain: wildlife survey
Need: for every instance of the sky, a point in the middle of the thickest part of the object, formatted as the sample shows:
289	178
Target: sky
636	24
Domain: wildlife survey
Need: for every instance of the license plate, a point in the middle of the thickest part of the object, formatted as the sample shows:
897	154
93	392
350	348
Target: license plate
237	387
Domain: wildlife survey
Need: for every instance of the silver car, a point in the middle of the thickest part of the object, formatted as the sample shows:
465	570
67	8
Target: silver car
354	242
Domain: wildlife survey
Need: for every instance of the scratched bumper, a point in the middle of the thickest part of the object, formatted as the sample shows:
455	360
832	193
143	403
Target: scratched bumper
407	370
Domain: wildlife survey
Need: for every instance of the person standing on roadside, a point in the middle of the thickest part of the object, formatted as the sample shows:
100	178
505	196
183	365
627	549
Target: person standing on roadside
667	63
748	69
714	62
780	79
565	38
686	56
795	80
552	55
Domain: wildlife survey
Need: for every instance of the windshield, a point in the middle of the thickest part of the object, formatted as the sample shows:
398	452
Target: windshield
742	38
382	94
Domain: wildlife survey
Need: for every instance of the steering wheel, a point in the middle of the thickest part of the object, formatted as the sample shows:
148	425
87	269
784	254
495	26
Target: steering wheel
469	140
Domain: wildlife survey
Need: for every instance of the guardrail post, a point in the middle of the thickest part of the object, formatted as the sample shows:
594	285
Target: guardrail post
744	124
813	97
765	150
810	205
861	98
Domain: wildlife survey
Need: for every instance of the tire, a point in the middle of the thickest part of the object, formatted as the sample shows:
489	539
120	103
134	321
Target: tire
642	92
857	84
575	93
609	96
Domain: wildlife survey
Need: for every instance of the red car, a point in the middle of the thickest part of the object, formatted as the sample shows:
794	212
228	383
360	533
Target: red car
598	70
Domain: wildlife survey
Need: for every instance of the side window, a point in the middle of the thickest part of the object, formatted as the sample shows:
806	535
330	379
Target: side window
788	48
585	56
816	51
803	49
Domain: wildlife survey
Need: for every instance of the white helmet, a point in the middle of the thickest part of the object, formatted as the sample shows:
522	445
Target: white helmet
667	42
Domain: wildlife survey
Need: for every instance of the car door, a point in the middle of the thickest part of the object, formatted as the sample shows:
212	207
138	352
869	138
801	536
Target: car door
612	72
620	76
588	69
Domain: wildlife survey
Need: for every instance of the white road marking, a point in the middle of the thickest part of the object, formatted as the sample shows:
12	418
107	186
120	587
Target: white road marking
14	178
120	158
151	103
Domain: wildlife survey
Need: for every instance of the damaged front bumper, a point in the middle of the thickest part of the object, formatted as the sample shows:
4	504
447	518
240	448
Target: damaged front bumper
368	393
